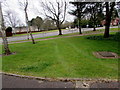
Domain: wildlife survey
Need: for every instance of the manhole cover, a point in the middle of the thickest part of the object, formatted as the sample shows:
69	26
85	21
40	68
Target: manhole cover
106	54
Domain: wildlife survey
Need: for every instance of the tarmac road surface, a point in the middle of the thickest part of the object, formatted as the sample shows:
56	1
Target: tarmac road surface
46	34
17	82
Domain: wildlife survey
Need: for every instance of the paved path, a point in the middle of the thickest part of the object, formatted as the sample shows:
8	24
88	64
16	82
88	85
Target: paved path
17	38
17	82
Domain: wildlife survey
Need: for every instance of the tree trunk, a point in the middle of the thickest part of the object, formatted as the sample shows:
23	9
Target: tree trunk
38	29
108	18
59	27
107	26
107	21
94	19
106	33
33	41
94	29
80	32
60	31
31	35
2	29
94	24
26	16
79	18
5	44
27	33
79	26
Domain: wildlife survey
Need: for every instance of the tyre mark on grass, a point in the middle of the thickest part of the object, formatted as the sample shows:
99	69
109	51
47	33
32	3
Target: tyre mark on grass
61	59
100	63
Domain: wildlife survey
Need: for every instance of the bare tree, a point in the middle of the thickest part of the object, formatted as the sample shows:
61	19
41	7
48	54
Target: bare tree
25	6
55	11
11	18
2	30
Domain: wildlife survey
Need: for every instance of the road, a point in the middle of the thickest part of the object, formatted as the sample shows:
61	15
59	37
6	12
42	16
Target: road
17	38
17	82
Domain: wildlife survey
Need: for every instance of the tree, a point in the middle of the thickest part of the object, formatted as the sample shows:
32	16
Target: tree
95	11
56	12
109	10
78	12
100	17
11	18
48	24
2	30
67	24
118	8
38	21
115	14
25	5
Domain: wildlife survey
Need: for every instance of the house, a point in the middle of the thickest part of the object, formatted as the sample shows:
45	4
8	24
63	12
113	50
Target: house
114	22
20	30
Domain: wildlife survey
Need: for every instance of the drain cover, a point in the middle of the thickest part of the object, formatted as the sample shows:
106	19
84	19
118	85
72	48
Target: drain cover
106	54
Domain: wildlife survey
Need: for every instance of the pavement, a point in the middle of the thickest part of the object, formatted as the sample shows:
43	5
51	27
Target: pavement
17	82
46	34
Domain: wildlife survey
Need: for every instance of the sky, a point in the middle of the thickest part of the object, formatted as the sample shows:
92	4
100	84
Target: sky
34	9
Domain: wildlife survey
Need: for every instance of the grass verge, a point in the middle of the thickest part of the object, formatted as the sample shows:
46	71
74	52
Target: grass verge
63	57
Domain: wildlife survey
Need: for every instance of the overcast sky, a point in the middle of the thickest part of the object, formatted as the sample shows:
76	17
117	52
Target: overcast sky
33	8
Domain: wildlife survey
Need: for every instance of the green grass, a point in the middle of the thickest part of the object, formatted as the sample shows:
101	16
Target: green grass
63	57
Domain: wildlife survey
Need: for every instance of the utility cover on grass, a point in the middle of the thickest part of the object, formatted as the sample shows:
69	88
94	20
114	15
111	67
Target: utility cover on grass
105	54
